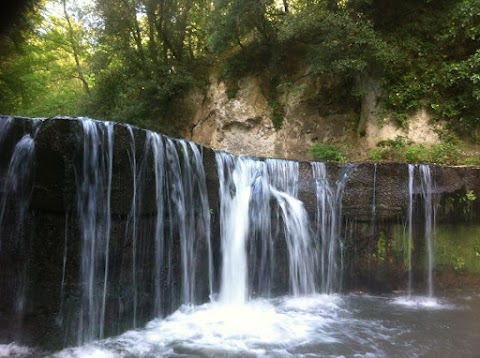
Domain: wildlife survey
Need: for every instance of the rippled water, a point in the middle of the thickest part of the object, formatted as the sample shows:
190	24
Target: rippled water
314	326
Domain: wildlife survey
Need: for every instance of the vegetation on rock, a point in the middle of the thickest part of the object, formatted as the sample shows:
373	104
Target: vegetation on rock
401	149
327	153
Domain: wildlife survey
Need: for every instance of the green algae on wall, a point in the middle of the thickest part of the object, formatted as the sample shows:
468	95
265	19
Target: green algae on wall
458	247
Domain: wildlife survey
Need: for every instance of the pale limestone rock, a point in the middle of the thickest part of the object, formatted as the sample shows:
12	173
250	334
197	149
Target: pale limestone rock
419	130
243	125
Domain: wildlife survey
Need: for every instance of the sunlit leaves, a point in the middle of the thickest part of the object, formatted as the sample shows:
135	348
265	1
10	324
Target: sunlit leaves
338	43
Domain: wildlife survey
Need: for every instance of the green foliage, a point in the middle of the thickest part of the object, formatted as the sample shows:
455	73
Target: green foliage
252	58
445	153
416	154
438	64
467	200
338	42
327	152
142	101
390	149
232	92
402	150
148	54
46	76
472	161
238	22
130	61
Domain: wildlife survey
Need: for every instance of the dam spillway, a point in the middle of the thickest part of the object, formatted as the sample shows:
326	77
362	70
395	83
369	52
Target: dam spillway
104	227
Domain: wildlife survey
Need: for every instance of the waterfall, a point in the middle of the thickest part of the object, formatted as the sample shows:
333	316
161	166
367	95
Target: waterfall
260	245
5	124
17	182
93	205
17	188
188	241
426	185
411	172
283	176
425	189
200	229
284	179
16	179
301	252
182	213
64	268
132	219
235	177
154	143
322	220
138	232
374	200
247	190
328	221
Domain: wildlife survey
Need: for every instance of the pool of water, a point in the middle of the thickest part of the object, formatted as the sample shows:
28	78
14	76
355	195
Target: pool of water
313	326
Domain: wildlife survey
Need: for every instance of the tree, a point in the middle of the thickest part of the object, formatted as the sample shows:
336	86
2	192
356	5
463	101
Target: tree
238	22
46	74
148	52
15	29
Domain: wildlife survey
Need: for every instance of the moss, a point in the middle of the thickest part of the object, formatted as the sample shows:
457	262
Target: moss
458	247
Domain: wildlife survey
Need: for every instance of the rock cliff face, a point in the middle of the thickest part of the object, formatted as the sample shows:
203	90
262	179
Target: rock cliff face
243	124
42	233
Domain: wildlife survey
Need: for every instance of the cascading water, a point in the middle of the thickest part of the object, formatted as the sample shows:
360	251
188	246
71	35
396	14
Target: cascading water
235	176
246	189
17	188
290	215
93	203
411	172
201	213
374	201
131	230
17	181
60	317
328	225
425	189
323	219
196	219
301	250
167	256
181	212
154	143
262	234
283	176
4	129
426	185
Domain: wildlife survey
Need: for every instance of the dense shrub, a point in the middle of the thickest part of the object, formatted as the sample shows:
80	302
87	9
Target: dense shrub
327	152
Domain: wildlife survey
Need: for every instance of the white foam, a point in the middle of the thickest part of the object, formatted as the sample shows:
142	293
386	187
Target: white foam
312	302
258	328
13	350
422	302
